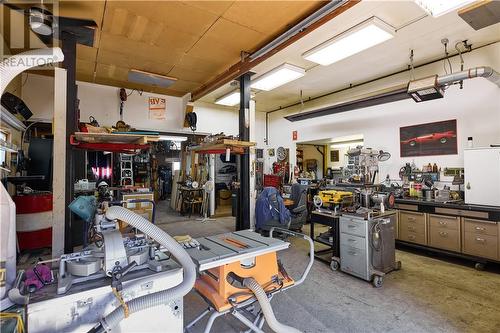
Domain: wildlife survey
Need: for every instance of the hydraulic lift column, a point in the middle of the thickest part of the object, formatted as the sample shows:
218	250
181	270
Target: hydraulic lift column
243	217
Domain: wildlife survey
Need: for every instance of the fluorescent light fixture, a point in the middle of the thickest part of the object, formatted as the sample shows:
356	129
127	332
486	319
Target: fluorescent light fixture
230	99
437	8
277	77
173	138
358	38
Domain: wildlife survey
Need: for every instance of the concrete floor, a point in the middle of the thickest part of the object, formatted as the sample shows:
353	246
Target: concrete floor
426	295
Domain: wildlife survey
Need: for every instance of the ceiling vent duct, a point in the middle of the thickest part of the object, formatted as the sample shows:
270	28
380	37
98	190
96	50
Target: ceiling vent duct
402	92
481	14
486	72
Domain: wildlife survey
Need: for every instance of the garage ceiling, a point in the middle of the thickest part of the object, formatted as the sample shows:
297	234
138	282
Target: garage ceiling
415	30
193	41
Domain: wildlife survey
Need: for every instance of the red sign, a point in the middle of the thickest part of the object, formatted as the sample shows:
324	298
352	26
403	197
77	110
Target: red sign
294	135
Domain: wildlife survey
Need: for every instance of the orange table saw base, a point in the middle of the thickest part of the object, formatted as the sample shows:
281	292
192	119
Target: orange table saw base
215	288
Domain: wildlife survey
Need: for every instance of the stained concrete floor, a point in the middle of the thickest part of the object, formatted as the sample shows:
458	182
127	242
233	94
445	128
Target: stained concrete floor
427	295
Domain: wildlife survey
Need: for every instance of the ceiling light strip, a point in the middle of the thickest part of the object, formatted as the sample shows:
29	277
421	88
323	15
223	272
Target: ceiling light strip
277	77
230	99
362	36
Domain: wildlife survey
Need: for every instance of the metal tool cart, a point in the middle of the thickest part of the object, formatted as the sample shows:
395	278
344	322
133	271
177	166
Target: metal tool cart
330	219
367	245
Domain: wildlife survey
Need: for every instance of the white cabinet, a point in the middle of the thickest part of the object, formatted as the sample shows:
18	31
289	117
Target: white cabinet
482	176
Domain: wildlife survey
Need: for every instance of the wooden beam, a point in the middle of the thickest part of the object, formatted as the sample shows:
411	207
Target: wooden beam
242	67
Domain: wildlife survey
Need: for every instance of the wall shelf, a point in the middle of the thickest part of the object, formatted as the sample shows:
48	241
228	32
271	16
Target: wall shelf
120	143
115	138
220	146
7	147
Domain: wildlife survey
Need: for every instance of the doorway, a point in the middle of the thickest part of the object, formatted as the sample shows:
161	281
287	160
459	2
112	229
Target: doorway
325	158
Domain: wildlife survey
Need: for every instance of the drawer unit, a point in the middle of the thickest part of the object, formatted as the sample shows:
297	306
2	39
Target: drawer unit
481	227
480	238
481	245
444	239
357	255
444	222
353	241
353	226
354	261
444	232
412	227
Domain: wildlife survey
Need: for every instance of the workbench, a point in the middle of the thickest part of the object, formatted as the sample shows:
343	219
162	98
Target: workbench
326	218
451	228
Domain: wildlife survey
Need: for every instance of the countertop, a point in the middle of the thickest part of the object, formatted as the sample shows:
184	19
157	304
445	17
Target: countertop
452	205
491	213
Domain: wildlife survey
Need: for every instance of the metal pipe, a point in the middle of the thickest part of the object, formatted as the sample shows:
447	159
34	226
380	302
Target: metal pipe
351	86
243	218
314	17
311	250
486	72
212	178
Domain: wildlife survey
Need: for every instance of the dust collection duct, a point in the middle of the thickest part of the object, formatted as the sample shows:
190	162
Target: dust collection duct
9	69
400	92
16	64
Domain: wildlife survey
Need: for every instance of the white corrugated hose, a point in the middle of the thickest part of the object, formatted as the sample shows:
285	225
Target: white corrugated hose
175	249
16	64
266	308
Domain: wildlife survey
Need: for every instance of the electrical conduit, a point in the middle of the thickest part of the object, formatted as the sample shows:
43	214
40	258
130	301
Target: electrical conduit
148	301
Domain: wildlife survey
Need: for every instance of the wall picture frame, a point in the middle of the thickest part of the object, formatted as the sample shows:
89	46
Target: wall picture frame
334	155
437	138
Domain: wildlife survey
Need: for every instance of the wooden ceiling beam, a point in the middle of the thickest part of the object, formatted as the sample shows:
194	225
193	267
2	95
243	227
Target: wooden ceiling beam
246	65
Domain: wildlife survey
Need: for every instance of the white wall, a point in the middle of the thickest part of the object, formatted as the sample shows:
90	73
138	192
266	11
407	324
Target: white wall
103	103
342	158
476	108
217	118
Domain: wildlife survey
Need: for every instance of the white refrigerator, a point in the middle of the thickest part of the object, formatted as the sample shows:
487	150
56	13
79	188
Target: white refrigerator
482	176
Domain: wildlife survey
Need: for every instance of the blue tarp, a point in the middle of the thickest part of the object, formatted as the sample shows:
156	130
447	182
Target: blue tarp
270	206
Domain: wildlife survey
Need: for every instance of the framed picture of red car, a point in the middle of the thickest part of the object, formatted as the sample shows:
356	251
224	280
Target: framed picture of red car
439	138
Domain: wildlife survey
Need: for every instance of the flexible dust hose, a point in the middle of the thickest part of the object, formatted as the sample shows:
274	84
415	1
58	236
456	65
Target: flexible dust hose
161	297
16	64
266	308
